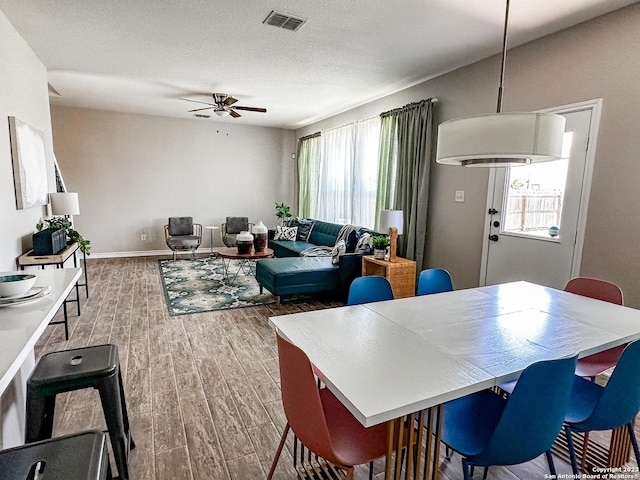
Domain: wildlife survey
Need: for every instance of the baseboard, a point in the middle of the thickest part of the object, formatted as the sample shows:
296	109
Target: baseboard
145	253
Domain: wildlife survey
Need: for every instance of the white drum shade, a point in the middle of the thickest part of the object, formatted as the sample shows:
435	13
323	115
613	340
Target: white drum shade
64	203
391	218
500	139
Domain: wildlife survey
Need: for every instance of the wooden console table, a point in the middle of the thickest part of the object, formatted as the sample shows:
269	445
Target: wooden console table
401	273
28	259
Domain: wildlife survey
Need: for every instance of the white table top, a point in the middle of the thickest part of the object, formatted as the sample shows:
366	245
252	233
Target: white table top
388	359
22	325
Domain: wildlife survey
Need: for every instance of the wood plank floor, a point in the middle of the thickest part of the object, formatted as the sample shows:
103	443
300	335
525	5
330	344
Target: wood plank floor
202	390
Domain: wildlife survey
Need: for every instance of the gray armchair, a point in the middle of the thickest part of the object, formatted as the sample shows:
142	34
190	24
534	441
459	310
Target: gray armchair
232	227
182	234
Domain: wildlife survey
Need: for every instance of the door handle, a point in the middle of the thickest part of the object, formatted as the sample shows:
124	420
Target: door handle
492	211
493	238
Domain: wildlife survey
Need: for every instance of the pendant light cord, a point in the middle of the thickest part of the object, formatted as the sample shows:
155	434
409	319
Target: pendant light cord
504	58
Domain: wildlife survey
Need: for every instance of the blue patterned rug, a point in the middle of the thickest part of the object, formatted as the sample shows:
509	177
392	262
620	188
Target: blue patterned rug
194	286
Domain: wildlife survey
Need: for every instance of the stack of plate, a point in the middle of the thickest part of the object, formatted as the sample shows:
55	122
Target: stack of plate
17	289
29	296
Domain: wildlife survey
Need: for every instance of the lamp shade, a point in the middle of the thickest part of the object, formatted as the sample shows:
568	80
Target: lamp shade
64	203
222	112
391	218
500	139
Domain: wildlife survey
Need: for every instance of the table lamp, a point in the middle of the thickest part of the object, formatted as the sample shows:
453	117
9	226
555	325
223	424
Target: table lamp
64	203
392	220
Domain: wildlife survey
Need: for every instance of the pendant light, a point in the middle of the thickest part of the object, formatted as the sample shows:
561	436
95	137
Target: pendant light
501	139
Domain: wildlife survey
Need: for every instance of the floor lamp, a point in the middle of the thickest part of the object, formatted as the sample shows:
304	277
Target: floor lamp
392	220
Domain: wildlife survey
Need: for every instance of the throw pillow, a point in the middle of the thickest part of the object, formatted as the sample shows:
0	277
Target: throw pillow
285	233
304	227
352	241
365	244
338	250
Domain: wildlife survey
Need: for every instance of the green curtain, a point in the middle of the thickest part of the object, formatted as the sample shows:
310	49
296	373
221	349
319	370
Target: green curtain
387	157
415	145
309	156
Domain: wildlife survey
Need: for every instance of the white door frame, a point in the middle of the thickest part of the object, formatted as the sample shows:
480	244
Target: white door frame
596	111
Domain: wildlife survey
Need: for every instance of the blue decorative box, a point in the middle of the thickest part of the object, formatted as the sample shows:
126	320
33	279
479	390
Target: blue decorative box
49	241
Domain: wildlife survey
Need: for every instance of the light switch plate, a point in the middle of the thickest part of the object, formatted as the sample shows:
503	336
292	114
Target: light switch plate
459	196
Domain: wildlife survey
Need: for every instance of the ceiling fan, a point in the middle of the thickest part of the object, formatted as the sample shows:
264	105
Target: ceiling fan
224	105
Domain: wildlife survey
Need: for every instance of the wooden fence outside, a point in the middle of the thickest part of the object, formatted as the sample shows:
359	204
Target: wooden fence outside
533	210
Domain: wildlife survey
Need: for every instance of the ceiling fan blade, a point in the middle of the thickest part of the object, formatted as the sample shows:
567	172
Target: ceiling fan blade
234	114
198	109
252	109
196	101
230	101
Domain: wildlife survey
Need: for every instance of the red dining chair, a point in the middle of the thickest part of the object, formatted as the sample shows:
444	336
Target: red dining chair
319	420
595	364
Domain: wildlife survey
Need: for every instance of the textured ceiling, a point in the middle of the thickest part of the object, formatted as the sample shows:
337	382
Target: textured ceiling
143	56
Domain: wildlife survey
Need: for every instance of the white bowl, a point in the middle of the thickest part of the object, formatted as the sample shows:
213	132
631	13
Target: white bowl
15	283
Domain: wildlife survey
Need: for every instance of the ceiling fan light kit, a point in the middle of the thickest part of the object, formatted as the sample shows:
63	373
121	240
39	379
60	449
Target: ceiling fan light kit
223	106
501	139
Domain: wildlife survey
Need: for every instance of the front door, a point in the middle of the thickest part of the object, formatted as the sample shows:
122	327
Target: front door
536	214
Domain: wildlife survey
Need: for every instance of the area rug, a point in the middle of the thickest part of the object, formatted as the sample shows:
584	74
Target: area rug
194	286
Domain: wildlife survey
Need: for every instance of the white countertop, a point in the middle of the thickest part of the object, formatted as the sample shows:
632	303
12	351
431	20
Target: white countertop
22	325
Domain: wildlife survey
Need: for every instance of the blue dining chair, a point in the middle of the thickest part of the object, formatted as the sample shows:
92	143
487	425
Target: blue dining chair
434	280
488	430
593	407
370	288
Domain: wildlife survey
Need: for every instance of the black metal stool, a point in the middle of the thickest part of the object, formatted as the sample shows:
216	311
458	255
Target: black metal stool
96	367
81	456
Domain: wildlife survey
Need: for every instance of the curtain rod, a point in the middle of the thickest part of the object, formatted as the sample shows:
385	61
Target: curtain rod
433	100
408	105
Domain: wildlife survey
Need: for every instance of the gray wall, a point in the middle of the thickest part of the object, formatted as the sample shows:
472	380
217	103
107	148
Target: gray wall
133	171
23	94
597	59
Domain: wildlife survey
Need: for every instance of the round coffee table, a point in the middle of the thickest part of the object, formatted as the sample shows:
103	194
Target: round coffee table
246	261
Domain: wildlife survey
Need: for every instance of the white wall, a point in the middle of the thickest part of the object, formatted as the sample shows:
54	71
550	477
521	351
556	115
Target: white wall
134	171
23	94
597	59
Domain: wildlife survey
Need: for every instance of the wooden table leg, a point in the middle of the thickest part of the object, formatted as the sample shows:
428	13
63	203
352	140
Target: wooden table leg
405	439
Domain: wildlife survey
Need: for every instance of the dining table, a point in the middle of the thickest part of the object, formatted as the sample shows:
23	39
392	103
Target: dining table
399	361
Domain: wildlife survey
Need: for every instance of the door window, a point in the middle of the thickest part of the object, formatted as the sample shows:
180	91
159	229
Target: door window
535	197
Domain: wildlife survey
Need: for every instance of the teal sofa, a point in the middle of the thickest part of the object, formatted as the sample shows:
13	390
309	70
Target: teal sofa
290	274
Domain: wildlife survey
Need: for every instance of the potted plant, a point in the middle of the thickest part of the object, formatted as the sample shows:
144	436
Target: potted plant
282	212
380	244
64	224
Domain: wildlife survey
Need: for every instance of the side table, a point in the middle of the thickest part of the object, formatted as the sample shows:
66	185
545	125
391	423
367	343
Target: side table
246	261
211	228
28	259
401	273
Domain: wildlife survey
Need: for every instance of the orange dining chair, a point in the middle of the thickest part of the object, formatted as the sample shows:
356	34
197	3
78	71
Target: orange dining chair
595	364
319	420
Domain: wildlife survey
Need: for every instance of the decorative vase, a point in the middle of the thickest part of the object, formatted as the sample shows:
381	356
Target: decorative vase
379	253
259	236
244	242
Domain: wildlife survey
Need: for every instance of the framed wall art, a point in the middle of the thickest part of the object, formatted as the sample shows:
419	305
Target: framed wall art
29	164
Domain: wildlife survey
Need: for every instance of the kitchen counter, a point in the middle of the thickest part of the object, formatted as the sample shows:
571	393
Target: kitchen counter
20	328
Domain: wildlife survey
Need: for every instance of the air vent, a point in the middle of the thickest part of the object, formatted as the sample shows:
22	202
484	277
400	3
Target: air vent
284	20
201	115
